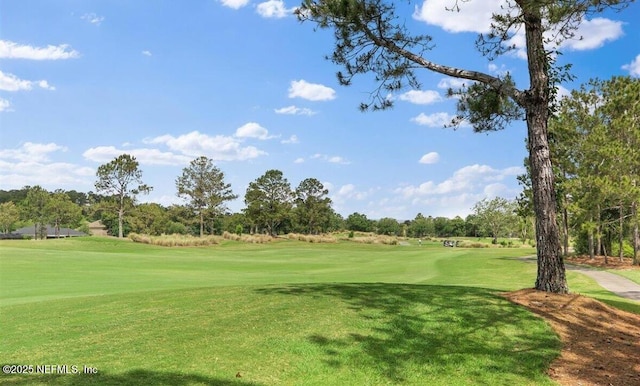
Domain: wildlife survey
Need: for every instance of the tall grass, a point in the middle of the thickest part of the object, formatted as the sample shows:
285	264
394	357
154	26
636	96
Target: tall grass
247	238
174	240
312	238
374	239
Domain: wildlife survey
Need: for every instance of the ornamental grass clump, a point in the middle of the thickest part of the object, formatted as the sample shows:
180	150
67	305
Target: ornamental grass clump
252	239
174	240
312	238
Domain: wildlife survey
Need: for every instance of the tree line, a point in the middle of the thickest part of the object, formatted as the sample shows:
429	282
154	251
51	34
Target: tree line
272	207
594	138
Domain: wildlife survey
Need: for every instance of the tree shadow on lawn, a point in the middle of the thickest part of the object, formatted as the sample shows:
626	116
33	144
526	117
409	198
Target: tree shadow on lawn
131	378
435	329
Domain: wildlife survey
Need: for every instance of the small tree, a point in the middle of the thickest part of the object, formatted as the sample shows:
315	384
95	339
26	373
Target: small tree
64	213
269	201
313	207
122	179
35	209
9	215
358	222
496	215
202	183
388	226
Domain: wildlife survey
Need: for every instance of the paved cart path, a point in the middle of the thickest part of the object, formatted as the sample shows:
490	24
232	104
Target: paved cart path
617	284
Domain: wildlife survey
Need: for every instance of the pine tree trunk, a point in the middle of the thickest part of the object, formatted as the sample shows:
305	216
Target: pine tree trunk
551	271
565	230
621	233
120	222
591	246
201	223
599	234
636	233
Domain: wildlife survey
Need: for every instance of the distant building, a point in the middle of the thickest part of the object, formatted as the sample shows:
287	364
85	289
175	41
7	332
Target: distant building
50	232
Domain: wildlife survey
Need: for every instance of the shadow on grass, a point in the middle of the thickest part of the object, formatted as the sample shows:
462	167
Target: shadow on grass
438	330
130	378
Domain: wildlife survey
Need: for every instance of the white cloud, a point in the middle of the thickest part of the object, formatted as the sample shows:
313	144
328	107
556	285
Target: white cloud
633	67
33	152
562	92
338	160
218	147
453	83
519	43
164	200
591	34
273	9
92	18
420	97
310	91
594	33
252	130
30	164
350	192
4	105
473	16
298	160
434	120
498	70
465	180
55	175
10	82
147	53
331	159
45	85
145	156
291	140
430	158
235	4
454	196
11	50
294	110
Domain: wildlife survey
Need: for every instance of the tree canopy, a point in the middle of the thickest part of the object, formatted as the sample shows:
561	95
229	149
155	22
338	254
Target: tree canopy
269	200
122	179
202	183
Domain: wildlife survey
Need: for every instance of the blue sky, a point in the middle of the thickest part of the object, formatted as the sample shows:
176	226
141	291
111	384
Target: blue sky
246	84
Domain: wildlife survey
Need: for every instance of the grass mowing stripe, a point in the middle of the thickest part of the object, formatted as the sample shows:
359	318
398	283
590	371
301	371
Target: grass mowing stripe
31	271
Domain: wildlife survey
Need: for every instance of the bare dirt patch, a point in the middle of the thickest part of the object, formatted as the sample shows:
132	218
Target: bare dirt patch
601	344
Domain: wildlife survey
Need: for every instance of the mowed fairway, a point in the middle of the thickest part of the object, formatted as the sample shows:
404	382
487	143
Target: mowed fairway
286	313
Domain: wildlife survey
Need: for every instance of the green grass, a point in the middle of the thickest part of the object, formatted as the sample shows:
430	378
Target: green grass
289	313
631	275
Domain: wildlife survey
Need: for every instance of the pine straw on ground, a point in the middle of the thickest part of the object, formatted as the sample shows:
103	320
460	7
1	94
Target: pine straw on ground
601	344
599	261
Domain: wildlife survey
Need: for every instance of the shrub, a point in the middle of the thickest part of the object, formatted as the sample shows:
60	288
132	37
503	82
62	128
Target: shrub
627	249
